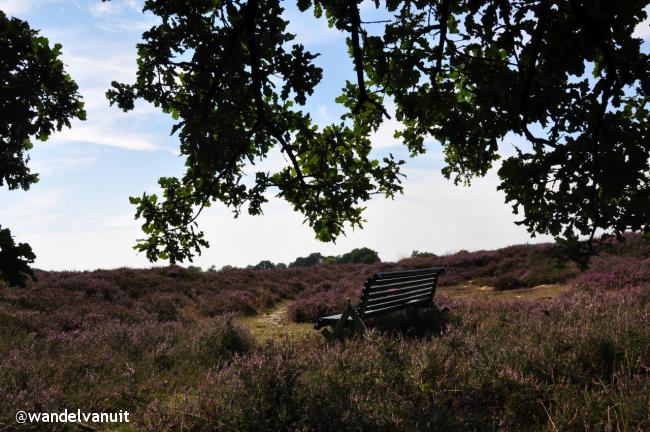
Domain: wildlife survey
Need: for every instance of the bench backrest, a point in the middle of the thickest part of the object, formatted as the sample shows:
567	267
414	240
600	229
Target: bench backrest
389	291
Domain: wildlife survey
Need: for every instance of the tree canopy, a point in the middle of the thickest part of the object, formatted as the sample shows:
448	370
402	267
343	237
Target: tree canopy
362	255
37	97
310	260
566	76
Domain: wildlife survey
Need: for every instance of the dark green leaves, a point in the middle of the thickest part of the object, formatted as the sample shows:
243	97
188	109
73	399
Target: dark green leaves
567	77
228	73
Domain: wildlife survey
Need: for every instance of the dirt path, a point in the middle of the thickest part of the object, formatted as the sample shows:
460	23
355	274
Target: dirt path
275	323
276	317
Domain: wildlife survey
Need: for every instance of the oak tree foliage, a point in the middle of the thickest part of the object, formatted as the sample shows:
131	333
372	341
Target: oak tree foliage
567	77
37	97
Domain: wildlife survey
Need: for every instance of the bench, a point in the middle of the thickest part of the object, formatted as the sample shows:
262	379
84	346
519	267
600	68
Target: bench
384	293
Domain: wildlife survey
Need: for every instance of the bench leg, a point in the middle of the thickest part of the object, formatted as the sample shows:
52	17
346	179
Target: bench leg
441	314
348	312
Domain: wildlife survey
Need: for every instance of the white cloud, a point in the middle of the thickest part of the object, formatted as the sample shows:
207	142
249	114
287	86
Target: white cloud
15	7
118	16
310	30
642	29
102	8
384	136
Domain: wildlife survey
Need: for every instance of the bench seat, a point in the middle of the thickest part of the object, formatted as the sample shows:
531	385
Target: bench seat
387	292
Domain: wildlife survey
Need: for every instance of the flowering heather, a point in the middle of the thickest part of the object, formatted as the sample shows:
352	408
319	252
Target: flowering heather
517	266
164	345
542	365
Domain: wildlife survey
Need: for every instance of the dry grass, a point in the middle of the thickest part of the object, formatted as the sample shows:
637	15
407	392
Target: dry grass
274	323
471	291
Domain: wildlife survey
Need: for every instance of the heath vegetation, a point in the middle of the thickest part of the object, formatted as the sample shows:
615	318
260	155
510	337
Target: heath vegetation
166	345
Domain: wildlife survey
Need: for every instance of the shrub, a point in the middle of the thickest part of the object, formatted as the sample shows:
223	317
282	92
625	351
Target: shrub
507	282
308	261
262	265
165	309
221	338
418	254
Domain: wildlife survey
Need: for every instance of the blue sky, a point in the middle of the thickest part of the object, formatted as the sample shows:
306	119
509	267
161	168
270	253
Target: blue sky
78	215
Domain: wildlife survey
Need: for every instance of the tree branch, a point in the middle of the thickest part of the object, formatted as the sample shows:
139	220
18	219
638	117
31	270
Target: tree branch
355	27
600	36
442	39
535	46
257	89
536	140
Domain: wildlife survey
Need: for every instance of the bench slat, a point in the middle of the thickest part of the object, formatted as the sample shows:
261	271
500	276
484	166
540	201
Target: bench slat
394	308
406	273
402	281
385	291
389	301
422	292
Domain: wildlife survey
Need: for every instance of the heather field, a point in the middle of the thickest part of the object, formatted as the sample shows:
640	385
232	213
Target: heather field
527	345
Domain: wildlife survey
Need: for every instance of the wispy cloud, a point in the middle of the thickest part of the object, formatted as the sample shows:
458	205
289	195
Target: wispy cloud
107	135
114	7
60	164
118	16
114	66
40	205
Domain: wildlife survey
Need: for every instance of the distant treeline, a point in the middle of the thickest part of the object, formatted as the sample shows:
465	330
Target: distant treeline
362	255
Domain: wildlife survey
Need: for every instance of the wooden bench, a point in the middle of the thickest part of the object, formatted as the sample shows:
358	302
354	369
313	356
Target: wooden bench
383	293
